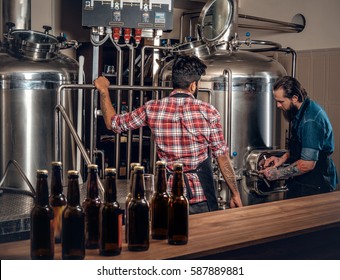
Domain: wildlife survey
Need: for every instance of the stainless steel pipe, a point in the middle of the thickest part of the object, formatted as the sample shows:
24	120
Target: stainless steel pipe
277	25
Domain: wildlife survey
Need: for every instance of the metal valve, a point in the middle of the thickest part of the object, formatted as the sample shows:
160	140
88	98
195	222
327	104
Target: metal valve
47	29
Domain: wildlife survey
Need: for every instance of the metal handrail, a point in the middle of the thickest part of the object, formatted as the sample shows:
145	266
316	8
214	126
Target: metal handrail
60	109
228	105
22	174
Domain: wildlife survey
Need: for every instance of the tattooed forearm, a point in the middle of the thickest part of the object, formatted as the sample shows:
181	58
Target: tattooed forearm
290	171
229	175
227	170
283	173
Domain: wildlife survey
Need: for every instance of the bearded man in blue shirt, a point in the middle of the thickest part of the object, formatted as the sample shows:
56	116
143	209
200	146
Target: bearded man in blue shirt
310	168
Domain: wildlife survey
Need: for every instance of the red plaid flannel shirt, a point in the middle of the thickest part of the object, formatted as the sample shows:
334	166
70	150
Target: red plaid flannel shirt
183	128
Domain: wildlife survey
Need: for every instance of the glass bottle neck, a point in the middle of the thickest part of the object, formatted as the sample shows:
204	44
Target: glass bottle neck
138	185
42	191
132	176
178	184
73	196
161	180
92	185
110	189
56	181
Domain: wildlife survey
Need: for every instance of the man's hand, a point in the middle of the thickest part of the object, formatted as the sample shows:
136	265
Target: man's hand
272	162
276	161
235	201
102	84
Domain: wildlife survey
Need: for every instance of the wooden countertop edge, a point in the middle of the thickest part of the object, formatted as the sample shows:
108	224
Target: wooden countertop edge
242	245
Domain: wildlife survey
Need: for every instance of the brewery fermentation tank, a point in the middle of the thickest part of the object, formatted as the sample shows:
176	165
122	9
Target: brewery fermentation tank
31	69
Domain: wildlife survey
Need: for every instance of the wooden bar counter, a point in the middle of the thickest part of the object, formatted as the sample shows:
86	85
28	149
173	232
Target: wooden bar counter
301	228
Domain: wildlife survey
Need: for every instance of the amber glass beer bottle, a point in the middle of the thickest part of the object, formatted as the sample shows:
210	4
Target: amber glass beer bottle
110	239
178	210
41	232
128	197
91	207
73	219
57	199
138	214
159	204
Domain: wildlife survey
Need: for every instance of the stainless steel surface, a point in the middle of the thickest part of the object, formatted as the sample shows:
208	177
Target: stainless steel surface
244	21
94	101
119	81
18	12
276	25
184	14
293	53
198	48
61	109
32	44
28	98
218	21
132	58
31	191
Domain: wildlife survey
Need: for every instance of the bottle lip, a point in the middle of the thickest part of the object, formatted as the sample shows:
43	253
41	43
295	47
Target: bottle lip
42	172
73	172
178	165
134	164
92	166
139	167
161	162
110	170
56	163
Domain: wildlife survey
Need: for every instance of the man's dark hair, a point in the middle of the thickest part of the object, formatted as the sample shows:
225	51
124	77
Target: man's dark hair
291	87
185	70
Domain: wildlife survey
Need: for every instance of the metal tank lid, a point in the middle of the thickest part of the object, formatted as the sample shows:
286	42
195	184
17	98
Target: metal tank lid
197	48
217	20
215	27
31	44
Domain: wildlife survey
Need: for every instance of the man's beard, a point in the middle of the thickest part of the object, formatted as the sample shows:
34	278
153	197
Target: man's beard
290	114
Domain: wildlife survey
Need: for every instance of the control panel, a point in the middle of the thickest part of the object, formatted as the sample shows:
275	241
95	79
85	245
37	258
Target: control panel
150	14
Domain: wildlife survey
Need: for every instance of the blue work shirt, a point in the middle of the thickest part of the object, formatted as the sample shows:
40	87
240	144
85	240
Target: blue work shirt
315	134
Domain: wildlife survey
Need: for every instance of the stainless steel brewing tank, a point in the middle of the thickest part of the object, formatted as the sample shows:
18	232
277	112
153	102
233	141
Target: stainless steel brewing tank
27	104
254	121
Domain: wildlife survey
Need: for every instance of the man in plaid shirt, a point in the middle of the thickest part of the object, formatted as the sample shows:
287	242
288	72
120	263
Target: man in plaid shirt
184	130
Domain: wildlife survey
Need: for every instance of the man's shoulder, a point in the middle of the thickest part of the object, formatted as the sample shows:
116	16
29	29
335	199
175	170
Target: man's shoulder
316	109
205	104
316	114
